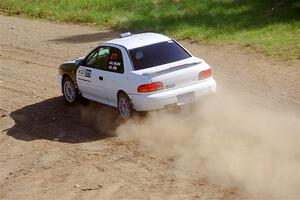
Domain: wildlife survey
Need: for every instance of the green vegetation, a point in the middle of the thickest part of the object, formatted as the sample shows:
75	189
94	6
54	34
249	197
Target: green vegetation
270	26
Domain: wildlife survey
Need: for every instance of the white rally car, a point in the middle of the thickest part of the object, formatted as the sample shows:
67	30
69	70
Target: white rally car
140	72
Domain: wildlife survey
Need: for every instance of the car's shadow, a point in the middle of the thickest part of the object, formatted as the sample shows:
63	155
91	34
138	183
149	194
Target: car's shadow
54	120
85	38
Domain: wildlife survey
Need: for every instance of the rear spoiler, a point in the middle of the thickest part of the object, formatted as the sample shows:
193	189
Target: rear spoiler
172	69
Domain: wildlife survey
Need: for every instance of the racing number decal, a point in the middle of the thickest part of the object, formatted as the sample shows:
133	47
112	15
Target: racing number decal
113	65
113	56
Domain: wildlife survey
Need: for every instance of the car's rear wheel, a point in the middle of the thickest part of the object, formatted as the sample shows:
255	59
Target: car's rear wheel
69	91
124	106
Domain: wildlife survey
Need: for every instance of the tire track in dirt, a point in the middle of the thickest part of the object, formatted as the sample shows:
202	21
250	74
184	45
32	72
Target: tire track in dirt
75	152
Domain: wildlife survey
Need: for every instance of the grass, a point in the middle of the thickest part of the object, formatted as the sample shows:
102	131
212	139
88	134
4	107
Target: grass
269	26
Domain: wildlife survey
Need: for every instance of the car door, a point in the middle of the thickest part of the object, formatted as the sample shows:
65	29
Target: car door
114	76
89	76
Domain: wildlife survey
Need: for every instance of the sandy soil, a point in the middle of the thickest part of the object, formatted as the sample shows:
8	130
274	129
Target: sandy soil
52	151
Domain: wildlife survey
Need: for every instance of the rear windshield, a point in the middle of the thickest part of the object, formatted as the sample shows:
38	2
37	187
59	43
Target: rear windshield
157	54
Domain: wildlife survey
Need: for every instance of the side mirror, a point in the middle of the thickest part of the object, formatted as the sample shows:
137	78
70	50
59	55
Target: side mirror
79	61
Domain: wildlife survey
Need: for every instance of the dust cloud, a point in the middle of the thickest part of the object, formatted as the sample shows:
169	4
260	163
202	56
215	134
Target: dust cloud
231	141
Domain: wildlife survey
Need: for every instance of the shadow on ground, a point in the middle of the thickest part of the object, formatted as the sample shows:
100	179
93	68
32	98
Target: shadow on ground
54	120
86	38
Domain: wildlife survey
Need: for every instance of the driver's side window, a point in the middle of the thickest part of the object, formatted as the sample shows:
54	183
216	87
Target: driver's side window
98	58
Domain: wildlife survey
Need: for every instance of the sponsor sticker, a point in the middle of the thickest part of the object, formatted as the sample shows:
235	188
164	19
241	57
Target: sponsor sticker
85	73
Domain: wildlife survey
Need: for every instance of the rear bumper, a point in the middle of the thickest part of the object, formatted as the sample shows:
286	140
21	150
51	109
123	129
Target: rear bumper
159	100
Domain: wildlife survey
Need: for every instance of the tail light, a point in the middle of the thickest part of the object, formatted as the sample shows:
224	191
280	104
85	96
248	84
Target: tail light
151	87
205	74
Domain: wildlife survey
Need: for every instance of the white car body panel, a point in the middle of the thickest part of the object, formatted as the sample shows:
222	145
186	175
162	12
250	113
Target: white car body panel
89	85
176	74
179	78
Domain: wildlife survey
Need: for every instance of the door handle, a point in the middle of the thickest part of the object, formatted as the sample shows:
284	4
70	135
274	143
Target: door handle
101	78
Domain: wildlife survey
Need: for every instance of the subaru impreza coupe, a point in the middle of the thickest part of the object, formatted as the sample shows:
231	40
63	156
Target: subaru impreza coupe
137	72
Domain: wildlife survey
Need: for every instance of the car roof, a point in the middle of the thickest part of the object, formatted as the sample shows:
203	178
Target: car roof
139	40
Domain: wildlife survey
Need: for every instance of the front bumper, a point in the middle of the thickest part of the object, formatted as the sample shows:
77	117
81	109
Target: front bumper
159	100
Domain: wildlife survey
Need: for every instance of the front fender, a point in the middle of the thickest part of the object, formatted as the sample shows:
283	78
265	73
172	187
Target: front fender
69	69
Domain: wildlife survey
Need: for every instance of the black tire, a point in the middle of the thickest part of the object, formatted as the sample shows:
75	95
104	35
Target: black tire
124	106
69	91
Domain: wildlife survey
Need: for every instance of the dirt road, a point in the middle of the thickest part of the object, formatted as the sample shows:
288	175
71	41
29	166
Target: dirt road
52	151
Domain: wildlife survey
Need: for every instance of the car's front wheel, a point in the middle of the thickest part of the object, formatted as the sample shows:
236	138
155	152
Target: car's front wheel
124	106
69	90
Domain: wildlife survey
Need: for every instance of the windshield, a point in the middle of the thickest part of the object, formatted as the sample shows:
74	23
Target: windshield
157	54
